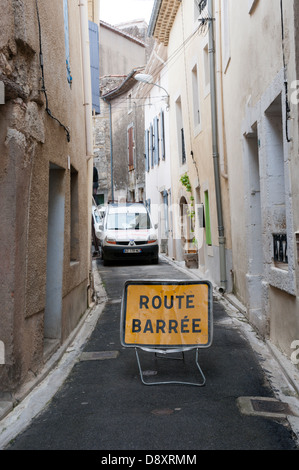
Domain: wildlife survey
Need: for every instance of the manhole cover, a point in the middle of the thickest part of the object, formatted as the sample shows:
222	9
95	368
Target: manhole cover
98	355
265	406
270	406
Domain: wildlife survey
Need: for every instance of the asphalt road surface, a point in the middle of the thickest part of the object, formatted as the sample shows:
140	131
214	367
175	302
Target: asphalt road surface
103	404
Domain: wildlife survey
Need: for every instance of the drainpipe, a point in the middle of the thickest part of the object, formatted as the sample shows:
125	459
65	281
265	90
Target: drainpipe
86	77
83	9
221	237
111	148
111	152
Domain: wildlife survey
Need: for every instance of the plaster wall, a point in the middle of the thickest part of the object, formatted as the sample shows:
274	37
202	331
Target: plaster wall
119	54
31	142
189	82
262	164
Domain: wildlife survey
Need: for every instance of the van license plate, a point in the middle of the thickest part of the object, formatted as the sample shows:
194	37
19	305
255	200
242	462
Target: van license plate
132	250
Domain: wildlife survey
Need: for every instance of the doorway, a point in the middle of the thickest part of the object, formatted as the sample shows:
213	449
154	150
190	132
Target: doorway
254	228
55	255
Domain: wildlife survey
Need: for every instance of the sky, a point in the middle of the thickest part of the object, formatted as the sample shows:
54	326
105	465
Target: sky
119	11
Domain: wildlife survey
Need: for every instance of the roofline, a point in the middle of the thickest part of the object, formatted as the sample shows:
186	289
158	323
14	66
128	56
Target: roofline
122	87
103	24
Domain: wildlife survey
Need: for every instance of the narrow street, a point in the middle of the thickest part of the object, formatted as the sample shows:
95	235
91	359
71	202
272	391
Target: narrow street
103	405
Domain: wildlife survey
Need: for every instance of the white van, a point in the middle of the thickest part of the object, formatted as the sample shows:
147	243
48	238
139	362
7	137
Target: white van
128	233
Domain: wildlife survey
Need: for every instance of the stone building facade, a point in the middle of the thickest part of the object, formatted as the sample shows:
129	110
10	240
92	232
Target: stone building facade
45	182
239	85
120	53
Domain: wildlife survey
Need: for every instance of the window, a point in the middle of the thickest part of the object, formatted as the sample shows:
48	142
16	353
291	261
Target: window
166	222
131	147
276	181
67	41
152	145
206	62
129	103
207	220
183	146
128	221
195	90
180	132
162	135
74	242
156	137
147	150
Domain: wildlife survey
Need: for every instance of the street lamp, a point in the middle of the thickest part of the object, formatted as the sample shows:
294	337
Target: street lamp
146	78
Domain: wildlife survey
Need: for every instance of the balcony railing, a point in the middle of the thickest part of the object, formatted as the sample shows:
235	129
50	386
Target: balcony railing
280	248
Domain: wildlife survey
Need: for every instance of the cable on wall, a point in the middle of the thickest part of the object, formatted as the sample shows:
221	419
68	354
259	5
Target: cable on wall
43	88
287	104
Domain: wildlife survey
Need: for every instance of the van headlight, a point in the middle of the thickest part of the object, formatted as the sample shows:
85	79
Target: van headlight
152	238
110	240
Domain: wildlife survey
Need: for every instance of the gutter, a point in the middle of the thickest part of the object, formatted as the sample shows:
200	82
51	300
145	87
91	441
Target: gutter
154	16
221	237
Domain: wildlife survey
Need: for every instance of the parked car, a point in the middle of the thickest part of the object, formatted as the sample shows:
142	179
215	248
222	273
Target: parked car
98	213
97	220
128	233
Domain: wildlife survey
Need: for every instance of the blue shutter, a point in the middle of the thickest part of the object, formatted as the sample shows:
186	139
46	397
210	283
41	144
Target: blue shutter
152	145
94	65
147	167
157	156
162	135
67	41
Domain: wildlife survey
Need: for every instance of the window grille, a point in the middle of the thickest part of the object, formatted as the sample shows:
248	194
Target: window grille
280	248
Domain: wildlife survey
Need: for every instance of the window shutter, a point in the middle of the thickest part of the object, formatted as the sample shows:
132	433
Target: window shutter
162	135
152	145
183	146
130	148
157	156
67	41
94	65
146	150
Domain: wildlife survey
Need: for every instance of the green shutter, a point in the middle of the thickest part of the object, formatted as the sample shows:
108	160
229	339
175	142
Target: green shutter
207	219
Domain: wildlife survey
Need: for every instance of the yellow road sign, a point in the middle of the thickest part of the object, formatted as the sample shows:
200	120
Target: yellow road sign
167	314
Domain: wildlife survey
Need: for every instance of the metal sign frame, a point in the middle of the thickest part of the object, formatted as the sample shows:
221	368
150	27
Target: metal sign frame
169	347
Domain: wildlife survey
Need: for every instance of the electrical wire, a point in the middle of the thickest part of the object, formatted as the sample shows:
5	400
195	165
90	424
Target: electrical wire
285	73
43	88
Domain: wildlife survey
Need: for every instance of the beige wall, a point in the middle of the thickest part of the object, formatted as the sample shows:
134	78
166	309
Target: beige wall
94	11
118	54
30	142
263	201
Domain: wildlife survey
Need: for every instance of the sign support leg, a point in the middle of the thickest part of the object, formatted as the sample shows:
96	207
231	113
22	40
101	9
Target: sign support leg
200	384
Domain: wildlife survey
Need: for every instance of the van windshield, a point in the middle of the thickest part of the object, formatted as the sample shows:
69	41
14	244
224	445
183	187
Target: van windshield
128	221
